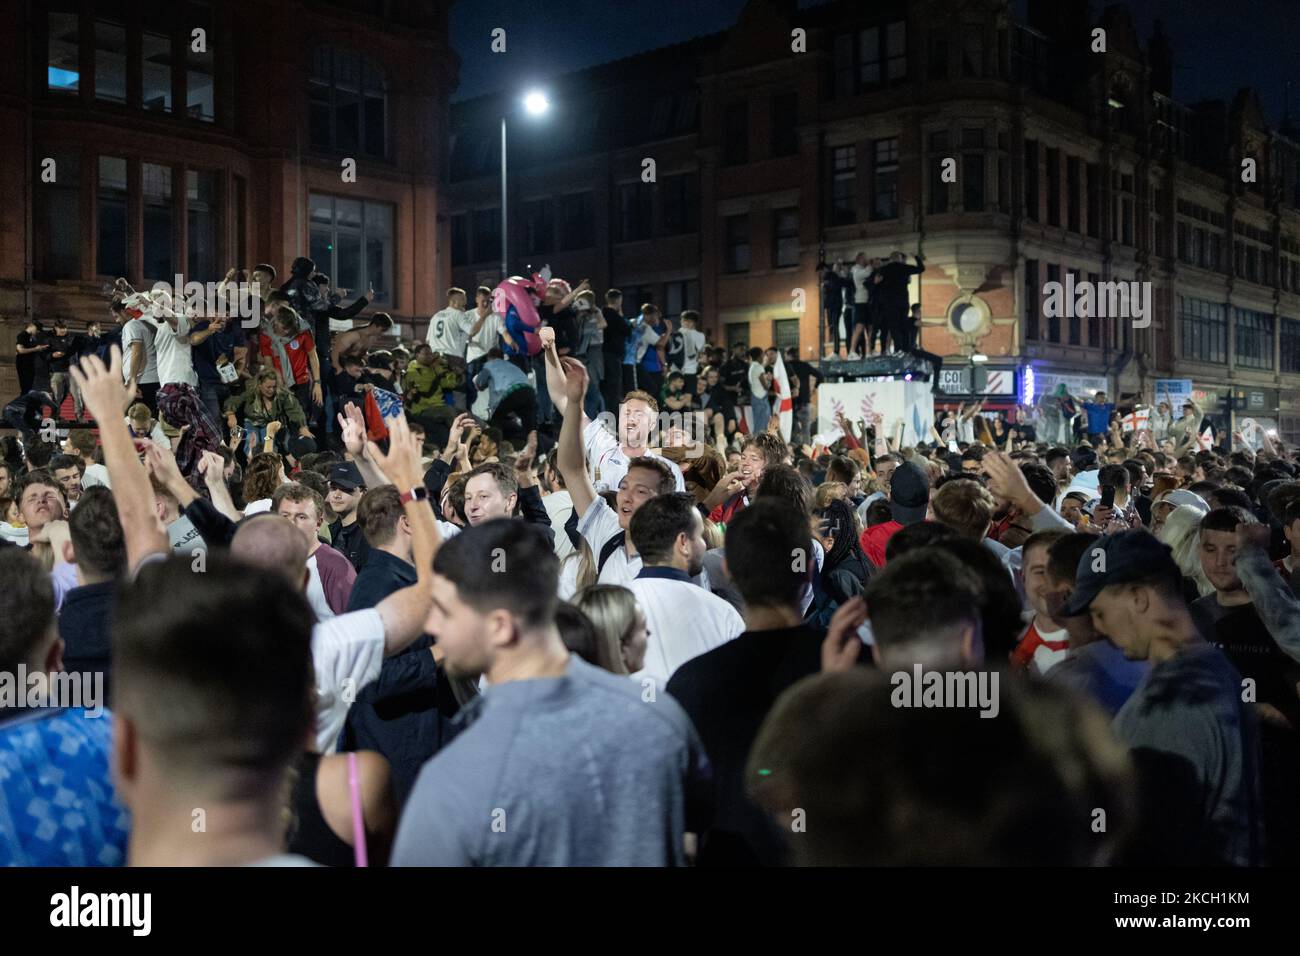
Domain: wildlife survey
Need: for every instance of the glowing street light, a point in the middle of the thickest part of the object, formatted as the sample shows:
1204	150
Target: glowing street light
536	103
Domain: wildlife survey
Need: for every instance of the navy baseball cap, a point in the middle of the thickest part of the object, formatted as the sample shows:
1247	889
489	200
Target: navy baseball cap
1116	559
346	474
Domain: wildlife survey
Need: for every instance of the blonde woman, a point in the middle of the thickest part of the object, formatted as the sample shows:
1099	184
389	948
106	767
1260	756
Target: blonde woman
1181	531
619	624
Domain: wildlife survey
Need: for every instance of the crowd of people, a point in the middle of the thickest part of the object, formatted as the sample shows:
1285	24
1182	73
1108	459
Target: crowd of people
353	602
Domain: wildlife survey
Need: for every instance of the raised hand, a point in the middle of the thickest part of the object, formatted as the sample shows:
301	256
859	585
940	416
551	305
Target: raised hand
400	465
352	426
524	460
212	467
273	429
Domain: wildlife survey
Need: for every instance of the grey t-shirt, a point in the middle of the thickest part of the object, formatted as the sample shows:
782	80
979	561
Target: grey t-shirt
576	770
1189	731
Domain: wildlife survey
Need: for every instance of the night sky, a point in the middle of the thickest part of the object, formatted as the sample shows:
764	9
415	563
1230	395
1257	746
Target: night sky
1219	46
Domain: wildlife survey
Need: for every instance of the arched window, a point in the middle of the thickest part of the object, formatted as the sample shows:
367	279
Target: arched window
349	104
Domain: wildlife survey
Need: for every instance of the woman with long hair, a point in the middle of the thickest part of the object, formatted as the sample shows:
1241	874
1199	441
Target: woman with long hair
620	625
845	569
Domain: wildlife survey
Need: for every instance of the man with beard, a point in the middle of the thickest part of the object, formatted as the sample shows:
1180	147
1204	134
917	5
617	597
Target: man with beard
682	619
564	764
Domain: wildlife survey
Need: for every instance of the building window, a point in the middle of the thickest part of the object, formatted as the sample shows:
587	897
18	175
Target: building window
1092	183
938	54
938	143
58	223
348	104
576	218
539	227
1094	322
635	297
487	235
785	238
785	335
156	188
201	223
1290	344
737	233
110	61
1031	180
972	190
1072	186
785	124
63	74
634	212
1053	160
681	203
1202	330
1073	324
1004	174
200	102
679	296
875	56
735	135
110	217
1053	321
884	193
352	241
1033	300
156	72
1254	339
459	239
844	177
972	50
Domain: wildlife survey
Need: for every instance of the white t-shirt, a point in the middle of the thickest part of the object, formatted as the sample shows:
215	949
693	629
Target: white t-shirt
607	461
96	474
479	345
184	537
559	505
756	387
682	621
449	332
597	526
347	652
175	365
692	343
137	330
860	273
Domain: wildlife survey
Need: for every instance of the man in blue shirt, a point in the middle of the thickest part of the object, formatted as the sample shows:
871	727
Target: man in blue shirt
57	802
1099	412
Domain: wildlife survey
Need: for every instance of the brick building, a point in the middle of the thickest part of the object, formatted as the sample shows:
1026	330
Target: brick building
802	133
187	137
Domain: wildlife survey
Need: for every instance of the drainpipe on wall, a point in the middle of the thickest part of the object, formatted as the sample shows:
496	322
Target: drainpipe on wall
28	189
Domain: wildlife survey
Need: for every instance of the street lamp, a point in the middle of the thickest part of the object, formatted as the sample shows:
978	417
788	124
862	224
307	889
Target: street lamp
535	104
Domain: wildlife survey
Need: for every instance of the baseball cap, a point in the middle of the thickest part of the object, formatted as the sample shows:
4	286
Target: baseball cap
909	493
346	474
1116	559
